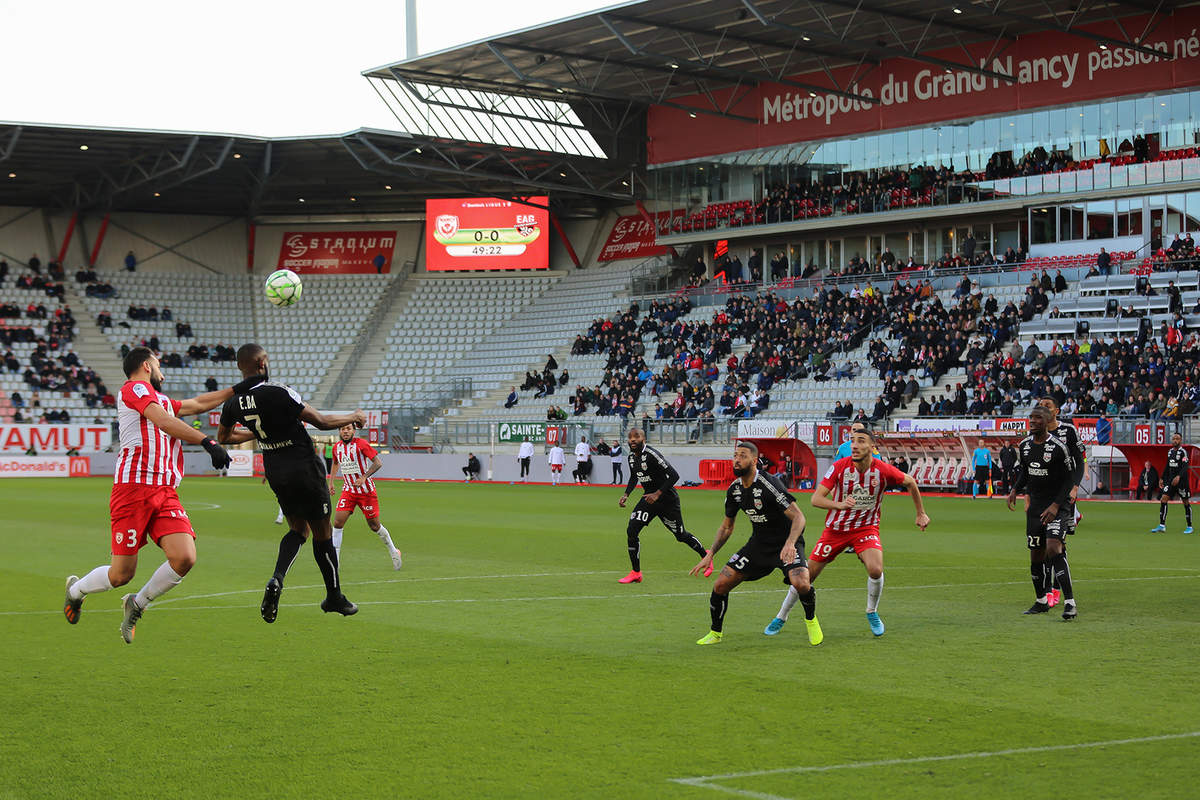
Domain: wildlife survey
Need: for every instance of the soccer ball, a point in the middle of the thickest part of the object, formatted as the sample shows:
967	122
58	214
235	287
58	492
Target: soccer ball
283	288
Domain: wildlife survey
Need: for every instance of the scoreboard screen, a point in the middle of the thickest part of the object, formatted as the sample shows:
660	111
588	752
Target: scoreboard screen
483	233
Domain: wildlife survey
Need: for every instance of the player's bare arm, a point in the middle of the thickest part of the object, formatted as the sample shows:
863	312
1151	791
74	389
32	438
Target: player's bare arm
358	480
1049	514
328	422
227	435
178	429
910	485
723	534
204	402
788	554
821	499
652	497
173	426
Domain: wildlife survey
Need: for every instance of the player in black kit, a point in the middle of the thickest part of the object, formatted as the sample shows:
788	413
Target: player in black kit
1044	472
275	415
659	499
1175	481
1069	434
776	542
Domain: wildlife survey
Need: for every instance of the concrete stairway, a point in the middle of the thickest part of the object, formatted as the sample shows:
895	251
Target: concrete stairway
92	346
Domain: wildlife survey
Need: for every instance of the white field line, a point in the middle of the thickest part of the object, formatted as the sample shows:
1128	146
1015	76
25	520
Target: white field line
707	781
564	598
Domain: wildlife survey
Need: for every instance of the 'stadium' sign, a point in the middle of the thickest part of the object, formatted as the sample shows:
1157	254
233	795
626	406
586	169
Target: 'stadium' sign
337	252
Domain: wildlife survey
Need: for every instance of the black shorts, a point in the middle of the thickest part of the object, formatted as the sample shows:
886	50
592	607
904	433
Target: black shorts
1182	491
756	560
300	488
982	474
328	466
1037	533
666	509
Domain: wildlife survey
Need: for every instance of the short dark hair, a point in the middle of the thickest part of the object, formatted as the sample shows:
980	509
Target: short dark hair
247	354
1040	411
135	358
751	446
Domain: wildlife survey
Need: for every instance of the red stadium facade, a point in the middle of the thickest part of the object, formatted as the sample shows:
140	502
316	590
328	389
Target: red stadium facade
1049	69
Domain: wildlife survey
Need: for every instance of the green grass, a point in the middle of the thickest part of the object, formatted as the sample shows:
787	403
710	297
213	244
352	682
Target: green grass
505	661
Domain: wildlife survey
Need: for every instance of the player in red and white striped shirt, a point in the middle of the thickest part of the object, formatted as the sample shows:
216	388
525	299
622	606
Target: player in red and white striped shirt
357	461
851	493
143	503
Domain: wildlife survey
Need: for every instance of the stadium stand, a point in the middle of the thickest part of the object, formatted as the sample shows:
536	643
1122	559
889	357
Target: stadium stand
206	311
886	190
43	378
960	350
305	341
442	321
211	315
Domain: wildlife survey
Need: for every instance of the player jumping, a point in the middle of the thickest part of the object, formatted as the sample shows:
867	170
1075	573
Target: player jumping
1175	480
143	502
659	499
1044	469
275	415
357	461
776	542
851	493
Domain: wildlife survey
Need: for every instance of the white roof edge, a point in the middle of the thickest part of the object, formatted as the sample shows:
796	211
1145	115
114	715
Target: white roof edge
486	39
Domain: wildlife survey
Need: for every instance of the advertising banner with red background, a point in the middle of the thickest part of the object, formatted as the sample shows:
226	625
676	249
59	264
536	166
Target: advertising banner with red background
1086	426
485	233
1050	68
633	236
54	439
336	252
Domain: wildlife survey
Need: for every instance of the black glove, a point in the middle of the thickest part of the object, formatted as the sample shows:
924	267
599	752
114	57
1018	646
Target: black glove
220	458
246	385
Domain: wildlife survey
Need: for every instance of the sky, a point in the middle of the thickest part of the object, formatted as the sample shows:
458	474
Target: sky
254	67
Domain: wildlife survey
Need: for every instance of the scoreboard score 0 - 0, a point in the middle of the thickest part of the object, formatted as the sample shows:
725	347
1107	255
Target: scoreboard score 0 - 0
487	233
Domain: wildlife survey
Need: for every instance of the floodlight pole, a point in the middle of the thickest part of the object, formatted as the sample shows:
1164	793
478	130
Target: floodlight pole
410	29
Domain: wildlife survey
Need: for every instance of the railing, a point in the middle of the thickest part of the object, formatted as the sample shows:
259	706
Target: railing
1172	174
476	433
368	330
403	421
652	275
940	278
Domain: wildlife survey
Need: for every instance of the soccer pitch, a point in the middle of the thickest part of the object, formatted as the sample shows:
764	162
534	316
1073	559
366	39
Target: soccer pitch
504	660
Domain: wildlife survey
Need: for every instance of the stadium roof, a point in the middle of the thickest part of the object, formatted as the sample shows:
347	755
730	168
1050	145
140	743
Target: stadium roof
556	109
363	171
645	53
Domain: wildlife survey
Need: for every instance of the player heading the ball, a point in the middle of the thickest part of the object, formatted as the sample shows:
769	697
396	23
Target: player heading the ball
275	415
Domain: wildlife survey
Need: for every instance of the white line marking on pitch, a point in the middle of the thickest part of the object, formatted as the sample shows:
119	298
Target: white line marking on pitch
706	781
166	604
399	580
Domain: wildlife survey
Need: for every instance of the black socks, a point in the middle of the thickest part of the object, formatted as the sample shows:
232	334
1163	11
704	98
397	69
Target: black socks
717	605
327	560
289	548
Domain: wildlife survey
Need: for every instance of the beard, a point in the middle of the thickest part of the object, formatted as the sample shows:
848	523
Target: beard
156	382
742	472
636	448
